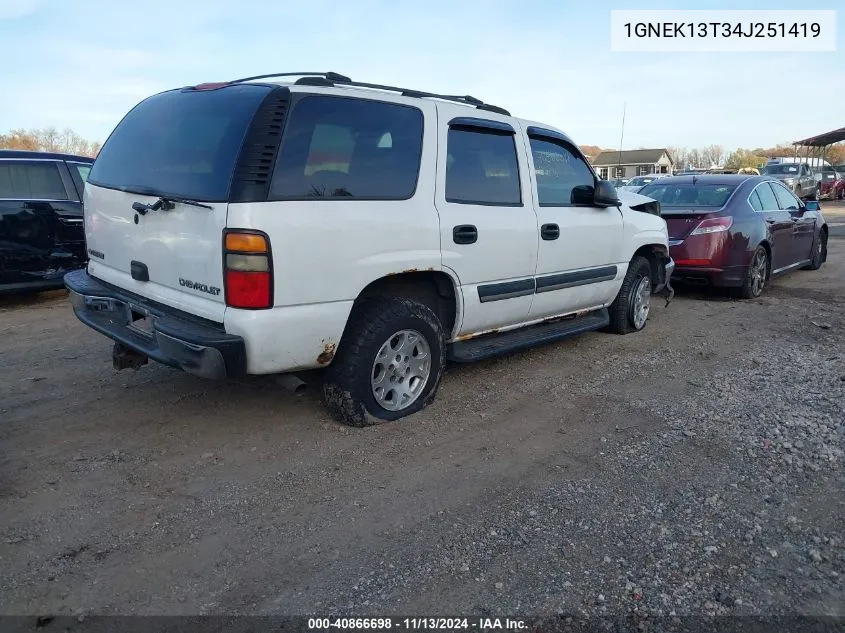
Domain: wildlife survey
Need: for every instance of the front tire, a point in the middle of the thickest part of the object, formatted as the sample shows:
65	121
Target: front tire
819	252
388	364
756	275
629	311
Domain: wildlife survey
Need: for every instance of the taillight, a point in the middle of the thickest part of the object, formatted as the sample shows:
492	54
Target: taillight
248	269
713	225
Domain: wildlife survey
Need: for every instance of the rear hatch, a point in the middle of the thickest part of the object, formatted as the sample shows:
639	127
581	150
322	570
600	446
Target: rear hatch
156	197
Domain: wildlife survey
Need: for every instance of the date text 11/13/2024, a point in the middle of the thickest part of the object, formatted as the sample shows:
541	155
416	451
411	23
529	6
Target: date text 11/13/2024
416	623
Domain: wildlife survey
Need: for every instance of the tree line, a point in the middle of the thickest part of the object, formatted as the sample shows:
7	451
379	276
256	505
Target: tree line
743	157
50	139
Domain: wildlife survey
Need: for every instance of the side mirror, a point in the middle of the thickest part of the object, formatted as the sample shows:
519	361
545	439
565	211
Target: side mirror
604	195
812	205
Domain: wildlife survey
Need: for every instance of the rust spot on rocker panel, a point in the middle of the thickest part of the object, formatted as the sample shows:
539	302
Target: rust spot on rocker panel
327	354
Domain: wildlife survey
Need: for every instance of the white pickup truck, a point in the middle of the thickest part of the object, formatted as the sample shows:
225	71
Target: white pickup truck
277	225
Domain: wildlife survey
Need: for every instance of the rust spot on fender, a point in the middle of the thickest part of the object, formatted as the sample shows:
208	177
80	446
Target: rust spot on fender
327	354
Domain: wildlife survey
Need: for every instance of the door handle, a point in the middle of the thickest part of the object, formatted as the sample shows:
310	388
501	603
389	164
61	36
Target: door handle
550	231
465	234
770	221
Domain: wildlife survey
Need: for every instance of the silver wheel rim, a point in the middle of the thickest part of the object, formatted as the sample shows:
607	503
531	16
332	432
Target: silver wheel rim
758	273
401	370
642	302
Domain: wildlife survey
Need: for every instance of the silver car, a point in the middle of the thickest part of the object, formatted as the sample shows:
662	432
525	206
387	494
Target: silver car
635	184
797	176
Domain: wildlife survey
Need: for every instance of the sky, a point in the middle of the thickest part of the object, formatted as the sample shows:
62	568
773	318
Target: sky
85	64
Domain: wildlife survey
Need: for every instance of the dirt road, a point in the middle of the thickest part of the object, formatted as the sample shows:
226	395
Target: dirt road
695	467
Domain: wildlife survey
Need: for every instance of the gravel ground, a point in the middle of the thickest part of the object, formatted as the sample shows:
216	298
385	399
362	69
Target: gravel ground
693	468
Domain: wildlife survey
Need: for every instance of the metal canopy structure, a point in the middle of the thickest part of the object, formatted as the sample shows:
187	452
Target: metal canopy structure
822	140
815	148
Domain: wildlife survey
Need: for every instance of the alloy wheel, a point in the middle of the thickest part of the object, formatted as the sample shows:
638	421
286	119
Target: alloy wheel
642	303
758	273
401	370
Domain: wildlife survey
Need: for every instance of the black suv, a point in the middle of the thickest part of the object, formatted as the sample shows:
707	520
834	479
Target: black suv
41	222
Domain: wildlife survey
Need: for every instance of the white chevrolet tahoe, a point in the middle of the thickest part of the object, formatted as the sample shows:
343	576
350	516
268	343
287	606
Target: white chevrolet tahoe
271	225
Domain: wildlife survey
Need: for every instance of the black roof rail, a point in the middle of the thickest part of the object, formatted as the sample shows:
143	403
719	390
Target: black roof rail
407	92
332	78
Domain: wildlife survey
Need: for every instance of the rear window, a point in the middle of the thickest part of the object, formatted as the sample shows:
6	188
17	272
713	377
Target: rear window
345	148
31	181
685	195
183	144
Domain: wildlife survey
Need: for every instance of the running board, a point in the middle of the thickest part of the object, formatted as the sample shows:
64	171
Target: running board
489	345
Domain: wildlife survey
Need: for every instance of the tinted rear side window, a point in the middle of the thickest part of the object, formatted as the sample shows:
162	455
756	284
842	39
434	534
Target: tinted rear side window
767	197
345	148
184	144
481	168
31	180
82	169
786	200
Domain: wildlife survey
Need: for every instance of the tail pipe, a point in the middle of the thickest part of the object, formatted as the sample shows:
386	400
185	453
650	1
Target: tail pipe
291	383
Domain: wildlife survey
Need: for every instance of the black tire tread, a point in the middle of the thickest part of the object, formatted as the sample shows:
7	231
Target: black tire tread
818	258
620	323
371	319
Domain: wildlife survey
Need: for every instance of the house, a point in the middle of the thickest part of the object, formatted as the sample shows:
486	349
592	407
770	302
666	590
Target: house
630	163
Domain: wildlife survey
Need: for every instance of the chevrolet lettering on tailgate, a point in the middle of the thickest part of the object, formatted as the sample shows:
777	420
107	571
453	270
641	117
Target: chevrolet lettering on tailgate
193	285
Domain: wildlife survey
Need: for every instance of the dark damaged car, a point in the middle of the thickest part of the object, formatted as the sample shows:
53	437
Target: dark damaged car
42	234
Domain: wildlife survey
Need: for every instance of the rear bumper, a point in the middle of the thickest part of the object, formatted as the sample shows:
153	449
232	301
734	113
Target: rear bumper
723	277
176	339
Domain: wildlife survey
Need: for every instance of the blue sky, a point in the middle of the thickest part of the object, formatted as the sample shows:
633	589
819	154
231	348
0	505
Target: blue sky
84	64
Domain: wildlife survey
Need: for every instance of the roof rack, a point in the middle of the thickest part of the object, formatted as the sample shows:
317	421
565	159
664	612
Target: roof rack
333	79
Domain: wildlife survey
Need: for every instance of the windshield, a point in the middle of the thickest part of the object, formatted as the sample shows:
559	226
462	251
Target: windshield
640	181
179	143
781	169
688	195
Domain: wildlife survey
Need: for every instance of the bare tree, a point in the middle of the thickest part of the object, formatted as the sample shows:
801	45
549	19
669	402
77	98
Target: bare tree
679	156
713	155
49	140
694	157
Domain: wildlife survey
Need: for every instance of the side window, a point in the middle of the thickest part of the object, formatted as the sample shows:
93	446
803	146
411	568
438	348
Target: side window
482	168
755	201
82	169
31	180
767	197
560	169
345	148
786	200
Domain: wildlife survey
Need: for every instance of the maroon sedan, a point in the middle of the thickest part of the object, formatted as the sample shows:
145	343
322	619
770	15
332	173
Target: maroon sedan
738	231
832	185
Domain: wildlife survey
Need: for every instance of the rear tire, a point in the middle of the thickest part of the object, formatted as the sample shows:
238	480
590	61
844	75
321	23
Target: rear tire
388	364
756	275
629	311
819	252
